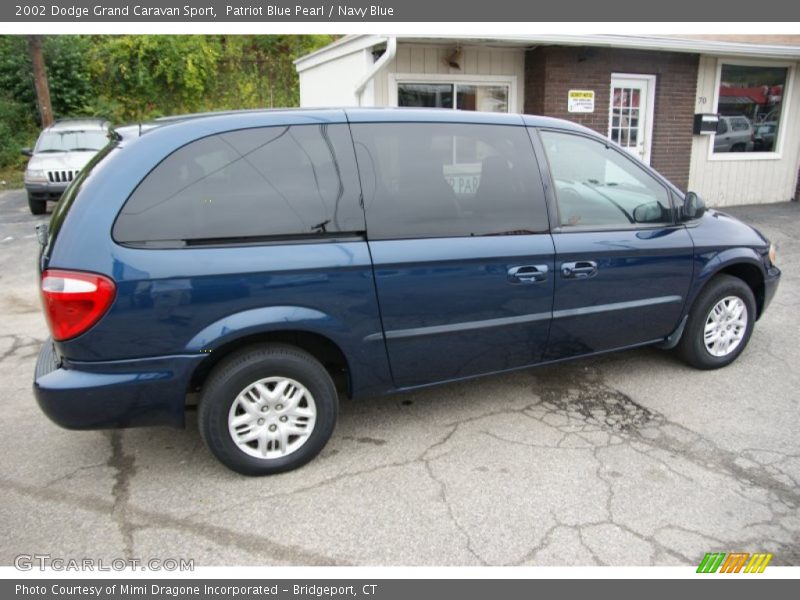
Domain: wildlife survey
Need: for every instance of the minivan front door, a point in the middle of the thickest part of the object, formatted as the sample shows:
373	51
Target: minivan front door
458	232
623	266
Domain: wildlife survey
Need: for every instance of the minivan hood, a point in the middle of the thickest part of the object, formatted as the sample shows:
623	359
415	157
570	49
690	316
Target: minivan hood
720	228
57	161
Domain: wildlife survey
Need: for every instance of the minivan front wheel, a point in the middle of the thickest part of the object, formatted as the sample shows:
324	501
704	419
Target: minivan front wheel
720	324
267	409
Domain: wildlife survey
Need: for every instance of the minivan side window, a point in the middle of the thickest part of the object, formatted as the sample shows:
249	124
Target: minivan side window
596	186
297	180
424	180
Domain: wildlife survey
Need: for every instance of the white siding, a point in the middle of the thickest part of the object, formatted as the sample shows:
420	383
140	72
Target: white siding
333	83
421	59
722	182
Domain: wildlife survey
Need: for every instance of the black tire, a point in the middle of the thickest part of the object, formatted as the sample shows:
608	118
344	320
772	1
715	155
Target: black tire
234	374
38	207
692	347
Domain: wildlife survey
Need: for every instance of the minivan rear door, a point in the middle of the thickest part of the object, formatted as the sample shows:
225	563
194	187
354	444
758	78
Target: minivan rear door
458	231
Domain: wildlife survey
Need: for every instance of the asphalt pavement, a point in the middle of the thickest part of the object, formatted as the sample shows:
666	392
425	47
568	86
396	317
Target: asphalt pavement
632	458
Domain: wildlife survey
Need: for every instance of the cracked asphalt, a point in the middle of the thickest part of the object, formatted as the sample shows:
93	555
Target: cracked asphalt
627	459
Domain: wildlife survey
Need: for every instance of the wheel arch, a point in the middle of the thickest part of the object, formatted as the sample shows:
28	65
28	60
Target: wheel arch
752	275
742	263
324	349
305	328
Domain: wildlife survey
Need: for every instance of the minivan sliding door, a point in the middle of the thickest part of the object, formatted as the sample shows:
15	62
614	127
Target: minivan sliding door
458	232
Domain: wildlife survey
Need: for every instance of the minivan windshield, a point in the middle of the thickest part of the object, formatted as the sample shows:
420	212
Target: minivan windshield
71	141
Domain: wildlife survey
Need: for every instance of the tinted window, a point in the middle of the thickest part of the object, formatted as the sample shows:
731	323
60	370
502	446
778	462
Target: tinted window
271	181
597	186
445	180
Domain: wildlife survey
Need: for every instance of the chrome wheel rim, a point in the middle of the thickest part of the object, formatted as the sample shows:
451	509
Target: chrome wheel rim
725	326
272	418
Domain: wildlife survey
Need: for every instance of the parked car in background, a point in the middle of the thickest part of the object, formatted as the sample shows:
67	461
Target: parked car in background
734	134
273	260
61	151
764	138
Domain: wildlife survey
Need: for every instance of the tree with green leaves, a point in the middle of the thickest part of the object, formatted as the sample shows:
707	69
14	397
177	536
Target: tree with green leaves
132	78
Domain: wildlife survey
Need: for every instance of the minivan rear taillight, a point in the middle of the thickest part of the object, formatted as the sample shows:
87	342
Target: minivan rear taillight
74	301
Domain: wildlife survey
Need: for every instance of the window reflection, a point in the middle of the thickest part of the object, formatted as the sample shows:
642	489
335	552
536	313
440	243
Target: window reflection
486	98
750	103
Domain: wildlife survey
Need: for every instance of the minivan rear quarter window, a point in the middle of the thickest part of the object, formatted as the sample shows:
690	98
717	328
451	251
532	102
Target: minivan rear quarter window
251	184
448	180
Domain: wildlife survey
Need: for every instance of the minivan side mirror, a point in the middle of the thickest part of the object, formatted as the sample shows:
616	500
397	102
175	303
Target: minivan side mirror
693	207
649	212
27	152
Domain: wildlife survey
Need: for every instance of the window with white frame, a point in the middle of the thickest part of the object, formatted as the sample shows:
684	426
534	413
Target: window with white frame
750	103
488	97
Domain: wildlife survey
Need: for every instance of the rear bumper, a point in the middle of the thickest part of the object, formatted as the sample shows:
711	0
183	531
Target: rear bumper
102	395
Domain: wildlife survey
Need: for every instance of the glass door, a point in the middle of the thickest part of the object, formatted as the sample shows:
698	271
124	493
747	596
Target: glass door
630	119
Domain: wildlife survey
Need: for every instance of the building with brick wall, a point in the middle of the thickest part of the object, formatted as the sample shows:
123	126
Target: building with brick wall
643	92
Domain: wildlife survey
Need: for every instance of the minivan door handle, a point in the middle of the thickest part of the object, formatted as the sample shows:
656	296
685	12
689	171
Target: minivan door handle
582	269
527	274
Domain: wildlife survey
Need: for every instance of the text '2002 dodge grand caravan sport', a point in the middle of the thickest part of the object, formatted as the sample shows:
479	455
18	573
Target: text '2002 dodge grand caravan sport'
271	260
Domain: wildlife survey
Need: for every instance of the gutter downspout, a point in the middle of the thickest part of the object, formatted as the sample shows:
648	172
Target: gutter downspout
391	50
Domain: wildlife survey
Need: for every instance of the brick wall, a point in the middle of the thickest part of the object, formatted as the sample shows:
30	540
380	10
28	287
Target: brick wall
551	71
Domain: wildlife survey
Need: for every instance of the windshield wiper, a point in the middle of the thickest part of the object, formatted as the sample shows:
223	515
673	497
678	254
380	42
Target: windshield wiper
83	149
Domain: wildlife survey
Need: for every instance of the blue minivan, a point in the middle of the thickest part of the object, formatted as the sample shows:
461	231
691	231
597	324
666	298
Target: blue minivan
273	260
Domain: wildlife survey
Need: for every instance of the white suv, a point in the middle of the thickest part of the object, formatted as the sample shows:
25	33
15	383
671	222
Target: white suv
61	151
734	134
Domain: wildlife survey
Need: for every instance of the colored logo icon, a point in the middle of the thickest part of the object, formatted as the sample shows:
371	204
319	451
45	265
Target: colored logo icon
735	562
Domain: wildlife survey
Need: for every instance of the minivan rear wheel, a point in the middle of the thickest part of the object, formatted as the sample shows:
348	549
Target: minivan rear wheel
267	409
720	324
